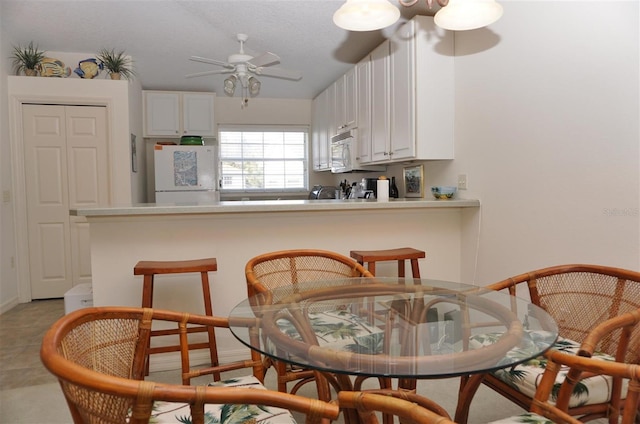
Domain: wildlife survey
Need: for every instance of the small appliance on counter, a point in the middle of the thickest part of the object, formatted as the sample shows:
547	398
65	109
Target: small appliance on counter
323	192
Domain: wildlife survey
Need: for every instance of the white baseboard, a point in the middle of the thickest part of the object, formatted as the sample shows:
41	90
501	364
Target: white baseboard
171	361
8	305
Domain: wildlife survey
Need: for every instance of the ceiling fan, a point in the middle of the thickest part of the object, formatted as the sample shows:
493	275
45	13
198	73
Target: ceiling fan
243	68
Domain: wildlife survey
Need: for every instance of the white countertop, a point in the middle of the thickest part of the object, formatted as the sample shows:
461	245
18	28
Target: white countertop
269	206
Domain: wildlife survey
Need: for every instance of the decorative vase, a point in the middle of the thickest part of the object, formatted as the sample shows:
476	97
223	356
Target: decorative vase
30	72
115	76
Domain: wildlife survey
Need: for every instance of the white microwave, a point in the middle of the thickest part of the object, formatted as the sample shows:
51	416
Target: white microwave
344	154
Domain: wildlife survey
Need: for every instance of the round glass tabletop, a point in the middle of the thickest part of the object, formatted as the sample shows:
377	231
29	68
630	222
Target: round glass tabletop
393	327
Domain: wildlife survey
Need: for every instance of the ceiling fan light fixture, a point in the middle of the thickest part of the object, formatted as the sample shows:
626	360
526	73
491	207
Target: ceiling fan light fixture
366	15
254	86
462	15
230	85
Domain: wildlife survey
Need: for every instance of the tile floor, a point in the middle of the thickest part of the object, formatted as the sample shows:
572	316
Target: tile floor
21	332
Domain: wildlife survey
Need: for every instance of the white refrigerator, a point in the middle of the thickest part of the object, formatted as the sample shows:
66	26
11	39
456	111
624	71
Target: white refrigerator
186	174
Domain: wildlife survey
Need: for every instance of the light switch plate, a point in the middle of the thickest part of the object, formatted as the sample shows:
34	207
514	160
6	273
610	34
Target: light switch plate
462	182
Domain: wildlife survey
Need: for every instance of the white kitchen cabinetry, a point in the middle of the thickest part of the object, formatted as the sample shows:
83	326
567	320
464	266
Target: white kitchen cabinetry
320	132
174	114
345	101
421	64
363	109
380	95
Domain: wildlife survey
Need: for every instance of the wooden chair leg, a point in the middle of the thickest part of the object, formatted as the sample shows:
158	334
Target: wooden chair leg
415	269
208	308
468	387
401	268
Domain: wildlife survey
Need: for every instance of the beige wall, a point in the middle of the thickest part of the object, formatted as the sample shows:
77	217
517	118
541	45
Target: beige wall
8	274
547	131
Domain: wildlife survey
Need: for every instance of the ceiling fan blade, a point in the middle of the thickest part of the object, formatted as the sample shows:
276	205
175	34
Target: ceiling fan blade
211	61
279	73
202	74
265	59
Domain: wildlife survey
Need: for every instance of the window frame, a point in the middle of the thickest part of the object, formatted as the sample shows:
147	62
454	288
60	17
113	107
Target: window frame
264	129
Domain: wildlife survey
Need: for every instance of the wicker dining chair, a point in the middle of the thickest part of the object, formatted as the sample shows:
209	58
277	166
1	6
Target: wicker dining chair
288	268
410	408
578	297
565	375
98	356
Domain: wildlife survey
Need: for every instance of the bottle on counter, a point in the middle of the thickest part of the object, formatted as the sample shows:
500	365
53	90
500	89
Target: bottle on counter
393	189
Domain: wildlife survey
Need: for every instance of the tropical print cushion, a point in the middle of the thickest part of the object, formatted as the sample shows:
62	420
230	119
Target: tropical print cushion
168	412
340	330
526	376
527	417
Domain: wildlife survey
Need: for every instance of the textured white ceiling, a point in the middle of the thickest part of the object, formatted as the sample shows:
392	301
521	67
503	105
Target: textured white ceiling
161	35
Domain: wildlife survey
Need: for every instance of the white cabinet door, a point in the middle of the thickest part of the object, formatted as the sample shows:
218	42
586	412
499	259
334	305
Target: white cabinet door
364	109
197	114
380	103
332	125
320	132
162	114
339	107
174	114
350	98
403	92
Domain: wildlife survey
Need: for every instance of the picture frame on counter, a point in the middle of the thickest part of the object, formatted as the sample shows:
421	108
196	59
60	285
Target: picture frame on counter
413	177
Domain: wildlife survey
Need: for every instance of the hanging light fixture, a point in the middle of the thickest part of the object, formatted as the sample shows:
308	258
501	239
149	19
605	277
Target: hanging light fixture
230	84
462	15
455	15
366	15
254	86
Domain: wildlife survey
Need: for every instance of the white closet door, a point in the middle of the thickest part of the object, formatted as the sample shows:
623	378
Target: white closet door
87	170
65	166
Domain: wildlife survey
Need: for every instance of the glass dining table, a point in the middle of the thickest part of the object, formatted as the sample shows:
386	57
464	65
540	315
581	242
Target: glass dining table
387	328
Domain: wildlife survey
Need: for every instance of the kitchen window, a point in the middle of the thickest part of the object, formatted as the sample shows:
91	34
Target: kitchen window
263	158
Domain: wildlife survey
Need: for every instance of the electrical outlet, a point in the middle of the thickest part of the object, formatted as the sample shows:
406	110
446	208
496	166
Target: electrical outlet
462	182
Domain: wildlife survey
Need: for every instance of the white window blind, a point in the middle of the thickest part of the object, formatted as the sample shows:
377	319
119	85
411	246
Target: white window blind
263	158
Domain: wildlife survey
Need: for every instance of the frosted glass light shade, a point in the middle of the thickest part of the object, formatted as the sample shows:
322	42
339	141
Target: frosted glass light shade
230	85
366	15
461	15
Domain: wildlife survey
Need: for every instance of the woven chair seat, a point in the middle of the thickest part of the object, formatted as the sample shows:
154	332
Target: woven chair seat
526	377
180	413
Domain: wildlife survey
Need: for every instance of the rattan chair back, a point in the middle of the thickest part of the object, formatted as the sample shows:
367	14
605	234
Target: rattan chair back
98	354
579	297
290	267
582	365
287	268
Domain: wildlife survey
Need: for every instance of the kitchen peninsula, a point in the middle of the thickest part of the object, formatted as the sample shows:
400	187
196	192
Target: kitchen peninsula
234	232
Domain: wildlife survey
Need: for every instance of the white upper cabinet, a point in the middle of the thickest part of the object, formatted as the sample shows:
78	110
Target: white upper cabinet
345	98
363	109
412	95
380	88
320	132
174	114
421	65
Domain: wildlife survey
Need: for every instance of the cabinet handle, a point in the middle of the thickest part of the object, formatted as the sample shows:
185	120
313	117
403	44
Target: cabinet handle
386	154
177	132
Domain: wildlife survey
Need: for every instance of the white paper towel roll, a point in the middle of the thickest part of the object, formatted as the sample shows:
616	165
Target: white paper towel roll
382	193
